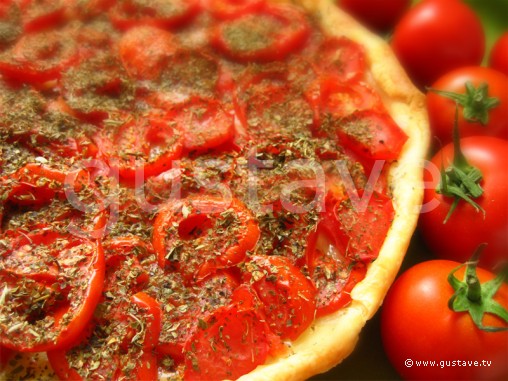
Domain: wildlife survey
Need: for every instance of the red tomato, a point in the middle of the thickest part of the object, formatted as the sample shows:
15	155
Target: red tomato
341	58
231	342
437	36
372	134
417	325
187	74
159	145
159	13
287	295
185	227
229	9
11	23
144	51
380	15
48	277
97	87
270	34
204	124
42	14
129	336
442	110
329	96
39	57
189	307
467	228
499	54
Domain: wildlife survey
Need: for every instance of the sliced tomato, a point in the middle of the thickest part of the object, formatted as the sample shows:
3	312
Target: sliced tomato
373	134
159	13
188	74
42	14
273	108
140	146
287	295
186	310
342	58
230	342
145	50
269	34
362	224
332	100
97	87
11	23
52	283
132	332
87	9
40	57
230	9
189	226
5	355
204	123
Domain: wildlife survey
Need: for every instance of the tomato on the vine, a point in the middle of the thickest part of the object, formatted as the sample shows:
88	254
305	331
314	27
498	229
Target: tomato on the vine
499	54
483	103
468	226
417	325
437	36
378	15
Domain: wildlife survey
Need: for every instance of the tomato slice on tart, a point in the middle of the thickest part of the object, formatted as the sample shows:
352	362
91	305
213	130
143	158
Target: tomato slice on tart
140	146
39	15
373	134
342	58
288	297
97	87
230	342
187	74
132	332
230	9
269	34
145	50
185	227
204	123
39	57
52	283
164	14
10	20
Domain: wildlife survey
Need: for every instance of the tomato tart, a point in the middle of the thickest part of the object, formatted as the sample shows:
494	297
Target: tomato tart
198	189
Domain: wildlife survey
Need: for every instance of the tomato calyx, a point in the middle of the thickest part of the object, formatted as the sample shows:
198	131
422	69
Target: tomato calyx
460	180
475	102
475	298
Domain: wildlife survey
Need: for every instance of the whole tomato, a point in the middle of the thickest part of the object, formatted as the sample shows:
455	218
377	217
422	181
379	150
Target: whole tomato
486	116
468	227
499	54
418	326
437	36
380	15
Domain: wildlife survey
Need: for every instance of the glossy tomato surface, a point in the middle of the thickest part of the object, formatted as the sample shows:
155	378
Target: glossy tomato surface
437	36
467	228
377	14
442	110
417	326
499	54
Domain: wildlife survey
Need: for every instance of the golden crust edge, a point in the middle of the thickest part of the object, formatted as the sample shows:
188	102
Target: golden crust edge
332	338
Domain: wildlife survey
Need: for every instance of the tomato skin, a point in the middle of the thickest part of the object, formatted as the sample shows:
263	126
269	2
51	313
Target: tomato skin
417	324
499	54
81	314
442	110
466	228
429	41
291	34
379	15
287	295
144	51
